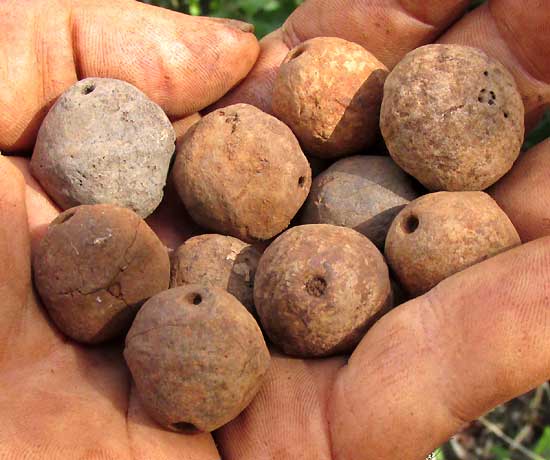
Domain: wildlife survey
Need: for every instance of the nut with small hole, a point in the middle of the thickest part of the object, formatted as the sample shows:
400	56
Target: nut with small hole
329	90
110	262
319	288
220	261
443	233
195	369
229	187
104	141
456	139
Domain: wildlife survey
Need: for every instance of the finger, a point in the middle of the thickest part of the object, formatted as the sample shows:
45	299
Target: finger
518	35
478	339
41	210
182	62
26	335
524	193
388	29
151	441
183	125
287	419
256	89
15	274
65	405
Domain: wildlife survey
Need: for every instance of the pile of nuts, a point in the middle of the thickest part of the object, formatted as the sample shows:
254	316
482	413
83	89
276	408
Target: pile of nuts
452	120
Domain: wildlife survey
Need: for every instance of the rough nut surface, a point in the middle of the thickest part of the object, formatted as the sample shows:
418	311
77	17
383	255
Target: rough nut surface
319	288
361	192
443	233
104	141
217	261
241	172
452	117
197	357
95	267
329	91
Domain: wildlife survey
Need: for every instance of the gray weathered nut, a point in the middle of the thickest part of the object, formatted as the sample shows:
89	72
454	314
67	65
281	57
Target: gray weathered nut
241	172
452	117
197	357
318	288
94	268
104	141
443	233
218	261
329	91
361	192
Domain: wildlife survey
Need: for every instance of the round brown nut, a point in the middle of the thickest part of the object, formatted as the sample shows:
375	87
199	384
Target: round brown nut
217	261
443	233
452	117
318	289
329	91
94	268
361	192
197	357
241	172
104	141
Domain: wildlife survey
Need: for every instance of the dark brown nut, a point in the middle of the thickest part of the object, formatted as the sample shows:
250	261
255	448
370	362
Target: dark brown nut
318	289
452	117
217	261
443	233
361	192
104	141
329	91
241	172
197	357
95	267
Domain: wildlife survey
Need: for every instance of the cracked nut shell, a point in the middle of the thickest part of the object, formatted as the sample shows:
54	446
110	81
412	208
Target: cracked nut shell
329	91
452	117
104	141
362	192
443	233
218	261
241	172
94	268
197	357
318	288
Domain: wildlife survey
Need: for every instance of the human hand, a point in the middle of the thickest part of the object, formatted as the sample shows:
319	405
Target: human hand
453	354
411	383
60	400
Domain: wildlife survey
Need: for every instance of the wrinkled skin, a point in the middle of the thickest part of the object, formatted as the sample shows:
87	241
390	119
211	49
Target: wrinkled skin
412	381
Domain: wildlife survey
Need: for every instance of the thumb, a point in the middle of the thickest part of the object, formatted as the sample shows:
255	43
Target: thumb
432	365
183	63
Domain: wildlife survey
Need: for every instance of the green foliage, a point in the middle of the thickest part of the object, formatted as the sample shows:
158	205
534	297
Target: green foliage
266	15
543	445
541	132
500	453
476	3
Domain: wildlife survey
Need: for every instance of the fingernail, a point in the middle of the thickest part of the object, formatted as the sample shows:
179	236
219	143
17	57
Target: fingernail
236	24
